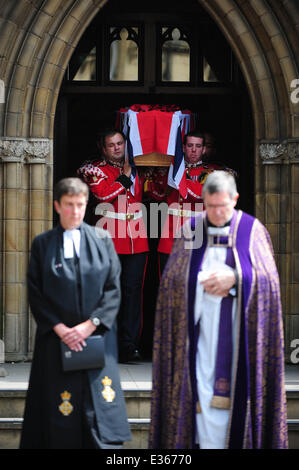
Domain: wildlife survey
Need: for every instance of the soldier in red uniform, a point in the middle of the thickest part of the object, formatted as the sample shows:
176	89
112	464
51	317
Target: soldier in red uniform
118	197
179	209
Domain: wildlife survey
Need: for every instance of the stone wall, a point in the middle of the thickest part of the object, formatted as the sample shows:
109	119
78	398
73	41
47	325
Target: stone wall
26	210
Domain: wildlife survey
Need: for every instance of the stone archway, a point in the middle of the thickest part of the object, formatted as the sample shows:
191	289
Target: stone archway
37	41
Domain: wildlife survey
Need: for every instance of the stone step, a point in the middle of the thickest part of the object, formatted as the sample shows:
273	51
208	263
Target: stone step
293	402
12	404
139	431
10	433
138	409
136	383
138	404
293	433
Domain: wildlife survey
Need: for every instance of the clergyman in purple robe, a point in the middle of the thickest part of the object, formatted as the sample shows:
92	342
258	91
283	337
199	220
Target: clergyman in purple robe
218	355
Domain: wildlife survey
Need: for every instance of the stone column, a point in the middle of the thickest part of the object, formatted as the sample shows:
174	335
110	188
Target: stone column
280	203
26	186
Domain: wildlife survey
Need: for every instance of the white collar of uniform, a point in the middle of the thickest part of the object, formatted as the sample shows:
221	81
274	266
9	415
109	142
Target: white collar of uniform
71	238
193	165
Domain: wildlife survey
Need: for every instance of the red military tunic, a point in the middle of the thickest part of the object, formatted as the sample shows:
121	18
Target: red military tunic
119	205
179	209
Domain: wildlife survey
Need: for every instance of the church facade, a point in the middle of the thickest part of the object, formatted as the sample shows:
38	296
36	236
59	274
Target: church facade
37	41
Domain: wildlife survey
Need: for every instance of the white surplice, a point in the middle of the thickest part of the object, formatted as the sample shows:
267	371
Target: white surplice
211	422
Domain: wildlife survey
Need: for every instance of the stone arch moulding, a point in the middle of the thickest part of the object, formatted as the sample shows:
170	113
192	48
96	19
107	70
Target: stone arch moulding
44	102
40	40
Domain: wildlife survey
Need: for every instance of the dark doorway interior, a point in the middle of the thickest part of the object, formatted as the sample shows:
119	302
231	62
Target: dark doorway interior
222	106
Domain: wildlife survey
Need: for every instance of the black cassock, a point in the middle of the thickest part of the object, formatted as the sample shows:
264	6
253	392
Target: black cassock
52	418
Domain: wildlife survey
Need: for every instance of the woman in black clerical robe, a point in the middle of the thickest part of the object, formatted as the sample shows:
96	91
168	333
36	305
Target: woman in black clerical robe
73	289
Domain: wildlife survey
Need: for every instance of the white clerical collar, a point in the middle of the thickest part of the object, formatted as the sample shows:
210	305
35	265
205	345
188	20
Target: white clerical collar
71	238
219	230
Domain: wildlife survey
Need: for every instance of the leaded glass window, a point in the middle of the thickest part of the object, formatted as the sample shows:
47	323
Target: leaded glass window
175	56
123	54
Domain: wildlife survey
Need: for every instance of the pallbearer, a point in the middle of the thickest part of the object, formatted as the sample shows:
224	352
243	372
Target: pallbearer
118	196
182	207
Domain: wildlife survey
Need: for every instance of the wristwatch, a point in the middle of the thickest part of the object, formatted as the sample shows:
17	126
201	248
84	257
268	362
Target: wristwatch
96	321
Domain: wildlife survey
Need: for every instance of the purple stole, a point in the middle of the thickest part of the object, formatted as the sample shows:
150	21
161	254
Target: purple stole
226	396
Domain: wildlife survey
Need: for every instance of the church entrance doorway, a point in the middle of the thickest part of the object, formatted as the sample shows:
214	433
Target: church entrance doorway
162	53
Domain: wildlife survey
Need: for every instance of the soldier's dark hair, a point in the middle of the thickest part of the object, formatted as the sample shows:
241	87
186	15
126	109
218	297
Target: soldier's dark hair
101	136
194	133
72	186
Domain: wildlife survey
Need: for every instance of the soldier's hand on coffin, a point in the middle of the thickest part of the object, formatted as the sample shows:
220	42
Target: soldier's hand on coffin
127	168
219	283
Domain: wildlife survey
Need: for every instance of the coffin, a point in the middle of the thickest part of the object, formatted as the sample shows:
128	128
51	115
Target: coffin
153	159
153	131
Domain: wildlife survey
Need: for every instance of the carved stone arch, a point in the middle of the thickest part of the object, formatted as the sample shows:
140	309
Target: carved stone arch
69	29
44	45
241	27
282	58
